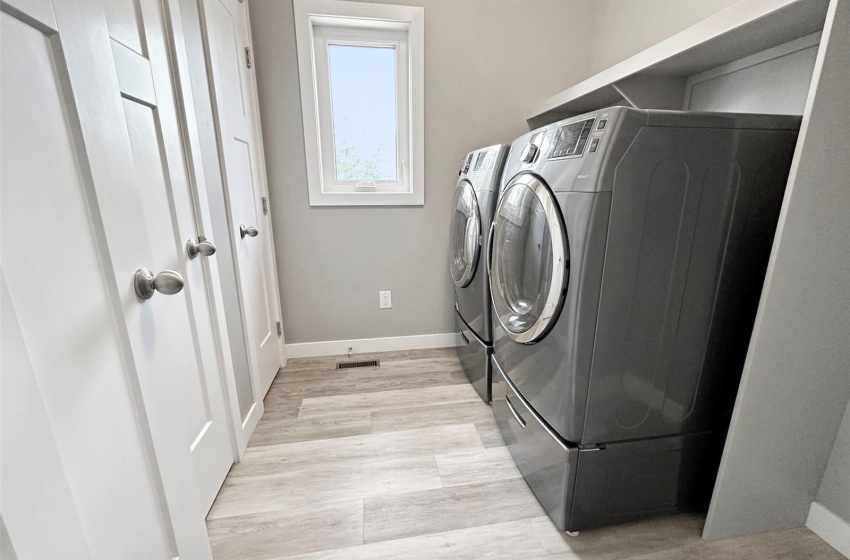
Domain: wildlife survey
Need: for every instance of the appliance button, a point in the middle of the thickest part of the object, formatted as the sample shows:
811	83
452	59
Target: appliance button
602	124
529	153
594	144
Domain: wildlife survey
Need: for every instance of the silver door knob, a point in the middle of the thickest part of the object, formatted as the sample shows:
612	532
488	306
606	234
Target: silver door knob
167	282
250	231
202	246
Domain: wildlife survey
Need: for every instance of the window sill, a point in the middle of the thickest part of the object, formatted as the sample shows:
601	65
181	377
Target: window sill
416	198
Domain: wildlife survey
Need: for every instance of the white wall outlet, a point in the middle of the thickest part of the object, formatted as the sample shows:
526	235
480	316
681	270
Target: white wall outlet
385	299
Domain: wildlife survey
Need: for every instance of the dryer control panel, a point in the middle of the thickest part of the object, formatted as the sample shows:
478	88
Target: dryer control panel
464	164
570	139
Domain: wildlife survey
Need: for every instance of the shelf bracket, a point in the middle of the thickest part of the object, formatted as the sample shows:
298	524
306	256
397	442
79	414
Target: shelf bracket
646	91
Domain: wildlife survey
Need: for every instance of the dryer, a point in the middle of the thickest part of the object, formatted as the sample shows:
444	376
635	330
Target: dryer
629	248
472	211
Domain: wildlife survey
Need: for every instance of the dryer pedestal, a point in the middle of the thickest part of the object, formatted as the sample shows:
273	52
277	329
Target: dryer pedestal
585	488
474	356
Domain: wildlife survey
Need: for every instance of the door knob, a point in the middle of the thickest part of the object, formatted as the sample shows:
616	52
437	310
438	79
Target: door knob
250	231
202	246
167	282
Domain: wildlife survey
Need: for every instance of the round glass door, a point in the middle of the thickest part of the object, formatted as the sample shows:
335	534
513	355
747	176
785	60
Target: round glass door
529	260
465	235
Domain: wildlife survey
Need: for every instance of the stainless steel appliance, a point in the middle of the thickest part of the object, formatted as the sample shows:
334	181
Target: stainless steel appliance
628	253
472	211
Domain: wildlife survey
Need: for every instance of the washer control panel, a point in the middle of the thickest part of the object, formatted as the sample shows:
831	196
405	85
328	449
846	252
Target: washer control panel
570	139
464	165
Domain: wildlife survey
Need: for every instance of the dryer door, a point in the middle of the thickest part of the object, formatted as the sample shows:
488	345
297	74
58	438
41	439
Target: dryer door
529	260
465	235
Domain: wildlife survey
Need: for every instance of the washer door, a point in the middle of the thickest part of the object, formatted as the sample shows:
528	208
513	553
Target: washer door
465	235
529	260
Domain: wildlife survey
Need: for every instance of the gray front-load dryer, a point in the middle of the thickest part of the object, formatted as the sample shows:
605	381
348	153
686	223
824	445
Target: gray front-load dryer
627	258
472	212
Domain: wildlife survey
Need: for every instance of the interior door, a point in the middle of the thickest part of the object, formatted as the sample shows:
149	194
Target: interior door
104	402
530	260
465	235
235	102
140	48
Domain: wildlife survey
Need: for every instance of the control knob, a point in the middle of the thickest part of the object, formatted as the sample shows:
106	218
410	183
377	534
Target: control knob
529	153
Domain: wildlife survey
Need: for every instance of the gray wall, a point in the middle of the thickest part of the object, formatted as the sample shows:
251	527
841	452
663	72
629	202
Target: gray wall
834	493
795	386
333	261
622	28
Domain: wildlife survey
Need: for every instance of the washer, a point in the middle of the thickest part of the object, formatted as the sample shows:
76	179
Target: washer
472	212
629	248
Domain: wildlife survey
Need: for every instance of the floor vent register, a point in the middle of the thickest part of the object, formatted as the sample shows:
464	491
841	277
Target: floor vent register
358	364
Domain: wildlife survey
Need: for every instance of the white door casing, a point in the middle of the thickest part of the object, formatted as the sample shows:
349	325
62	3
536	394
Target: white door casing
233	91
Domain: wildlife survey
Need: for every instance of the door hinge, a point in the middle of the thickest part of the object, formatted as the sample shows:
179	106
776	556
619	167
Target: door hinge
248	56
265	206
279	329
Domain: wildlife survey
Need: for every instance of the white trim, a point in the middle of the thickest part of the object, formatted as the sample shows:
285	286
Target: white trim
831	528
806	42
369	345
310	12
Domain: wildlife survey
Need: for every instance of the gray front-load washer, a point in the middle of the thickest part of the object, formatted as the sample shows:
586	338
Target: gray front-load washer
627	257
472	212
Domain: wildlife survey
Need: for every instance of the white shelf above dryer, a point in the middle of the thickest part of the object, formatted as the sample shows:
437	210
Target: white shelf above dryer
656	77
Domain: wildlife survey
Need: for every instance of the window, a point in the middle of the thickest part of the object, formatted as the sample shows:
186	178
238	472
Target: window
361	69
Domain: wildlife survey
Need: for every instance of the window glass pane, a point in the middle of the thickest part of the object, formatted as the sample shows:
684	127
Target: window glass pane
363	96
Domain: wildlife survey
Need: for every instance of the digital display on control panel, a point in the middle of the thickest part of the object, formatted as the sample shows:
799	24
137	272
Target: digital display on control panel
571	139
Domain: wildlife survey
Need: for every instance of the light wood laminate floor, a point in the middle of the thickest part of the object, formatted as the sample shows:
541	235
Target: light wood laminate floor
405	461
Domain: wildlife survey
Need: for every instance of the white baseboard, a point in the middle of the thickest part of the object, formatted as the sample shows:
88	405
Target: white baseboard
370	345
831	528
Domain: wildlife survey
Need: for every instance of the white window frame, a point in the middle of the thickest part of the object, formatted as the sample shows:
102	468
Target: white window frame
319	23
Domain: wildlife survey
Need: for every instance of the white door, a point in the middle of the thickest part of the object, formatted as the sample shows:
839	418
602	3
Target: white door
235	104
140	48
110	402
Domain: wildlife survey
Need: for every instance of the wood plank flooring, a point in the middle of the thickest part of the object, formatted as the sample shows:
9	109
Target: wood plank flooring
405	461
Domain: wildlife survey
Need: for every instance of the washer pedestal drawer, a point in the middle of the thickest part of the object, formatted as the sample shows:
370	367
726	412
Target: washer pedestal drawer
601	485
474	356
547	463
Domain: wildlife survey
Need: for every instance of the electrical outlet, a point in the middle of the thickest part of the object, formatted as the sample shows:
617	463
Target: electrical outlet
385	299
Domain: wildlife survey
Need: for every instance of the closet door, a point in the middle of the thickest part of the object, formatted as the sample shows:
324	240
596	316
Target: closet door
114	432
234	96
139	45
